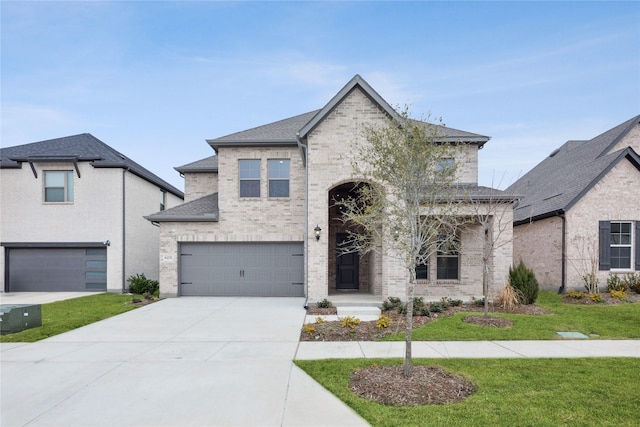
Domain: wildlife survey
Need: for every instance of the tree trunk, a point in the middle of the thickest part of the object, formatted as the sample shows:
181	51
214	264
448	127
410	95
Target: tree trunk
409	320
485	269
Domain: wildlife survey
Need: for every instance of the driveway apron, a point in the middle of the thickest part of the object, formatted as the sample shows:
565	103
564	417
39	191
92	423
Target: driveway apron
178	362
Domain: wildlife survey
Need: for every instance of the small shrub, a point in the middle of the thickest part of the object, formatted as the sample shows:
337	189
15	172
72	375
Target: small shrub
633	282
576	294
621	295
320	320
508	297
392	303
139	284
453	302
595	297
524	280
350	322
615	283
383	322
309	329
325	303
591	282
478	302
436	307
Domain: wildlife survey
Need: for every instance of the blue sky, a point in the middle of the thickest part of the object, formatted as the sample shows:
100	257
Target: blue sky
155	79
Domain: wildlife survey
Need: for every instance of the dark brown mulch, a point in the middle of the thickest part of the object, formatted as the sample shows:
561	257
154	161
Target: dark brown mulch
427	385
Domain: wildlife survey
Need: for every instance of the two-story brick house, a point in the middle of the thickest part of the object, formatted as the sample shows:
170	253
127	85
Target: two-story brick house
264	221
72	216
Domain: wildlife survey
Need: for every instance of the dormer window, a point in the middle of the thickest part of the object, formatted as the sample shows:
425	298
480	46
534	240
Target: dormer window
58	186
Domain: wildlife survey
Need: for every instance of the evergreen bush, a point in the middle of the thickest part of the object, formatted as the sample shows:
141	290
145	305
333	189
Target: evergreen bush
139	284
524	280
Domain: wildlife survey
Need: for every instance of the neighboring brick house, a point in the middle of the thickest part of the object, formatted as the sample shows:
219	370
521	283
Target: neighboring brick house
580	209
72	216
263	221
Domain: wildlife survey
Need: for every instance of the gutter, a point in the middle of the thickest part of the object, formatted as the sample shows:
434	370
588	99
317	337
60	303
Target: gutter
124	226
305	149
564	252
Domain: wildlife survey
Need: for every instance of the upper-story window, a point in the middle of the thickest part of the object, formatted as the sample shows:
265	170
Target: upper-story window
278	178
58	186
445	165
621	245
249	171
163	200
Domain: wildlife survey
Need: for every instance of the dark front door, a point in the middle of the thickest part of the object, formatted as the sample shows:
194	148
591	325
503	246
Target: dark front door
346	266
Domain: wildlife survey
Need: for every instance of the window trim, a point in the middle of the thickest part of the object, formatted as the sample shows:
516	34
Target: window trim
68	187
251	179
287	179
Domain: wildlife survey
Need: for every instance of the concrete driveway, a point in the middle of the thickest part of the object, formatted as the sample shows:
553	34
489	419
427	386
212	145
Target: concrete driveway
178	362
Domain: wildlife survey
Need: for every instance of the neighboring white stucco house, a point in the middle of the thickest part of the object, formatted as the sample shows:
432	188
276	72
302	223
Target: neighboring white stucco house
72	216
580	209
249	226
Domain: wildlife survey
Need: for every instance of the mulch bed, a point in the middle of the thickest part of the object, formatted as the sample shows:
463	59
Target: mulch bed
367	331
427	385
607	299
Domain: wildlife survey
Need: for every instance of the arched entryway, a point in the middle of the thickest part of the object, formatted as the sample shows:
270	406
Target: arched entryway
352	271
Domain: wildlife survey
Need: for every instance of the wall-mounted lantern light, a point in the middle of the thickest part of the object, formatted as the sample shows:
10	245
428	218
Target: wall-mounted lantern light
317	230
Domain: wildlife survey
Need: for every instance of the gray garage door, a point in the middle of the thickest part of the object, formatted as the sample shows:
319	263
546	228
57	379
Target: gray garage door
242	269
57	269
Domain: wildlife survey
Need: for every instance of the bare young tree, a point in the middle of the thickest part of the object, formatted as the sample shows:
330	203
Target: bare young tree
406	202
491	209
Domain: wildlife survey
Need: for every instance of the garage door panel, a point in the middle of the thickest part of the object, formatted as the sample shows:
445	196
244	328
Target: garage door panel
249	269
57	269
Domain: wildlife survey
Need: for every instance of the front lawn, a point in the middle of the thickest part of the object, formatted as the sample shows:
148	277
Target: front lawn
63	316
509	392
619	321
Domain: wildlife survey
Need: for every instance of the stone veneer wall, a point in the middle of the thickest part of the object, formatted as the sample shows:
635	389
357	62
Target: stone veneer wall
539	245
197	185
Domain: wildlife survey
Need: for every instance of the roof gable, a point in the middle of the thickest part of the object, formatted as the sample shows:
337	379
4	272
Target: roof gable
568	173
79	148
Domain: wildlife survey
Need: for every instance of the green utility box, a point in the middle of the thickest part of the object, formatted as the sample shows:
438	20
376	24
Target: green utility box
18	317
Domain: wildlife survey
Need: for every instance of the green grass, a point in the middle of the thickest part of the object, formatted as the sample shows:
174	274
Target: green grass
509	392
607	321
63	316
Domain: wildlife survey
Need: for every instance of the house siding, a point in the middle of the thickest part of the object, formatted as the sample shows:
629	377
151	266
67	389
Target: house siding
614	198
631	139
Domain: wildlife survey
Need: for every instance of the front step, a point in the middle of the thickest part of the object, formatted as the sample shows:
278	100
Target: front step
358	311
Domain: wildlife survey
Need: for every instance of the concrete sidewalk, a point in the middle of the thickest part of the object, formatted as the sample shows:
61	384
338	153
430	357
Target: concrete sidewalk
560	348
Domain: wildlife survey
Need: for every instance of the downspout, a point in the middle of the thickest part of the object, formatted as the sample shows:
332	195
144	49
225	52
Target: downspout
564	252
306	218
124	226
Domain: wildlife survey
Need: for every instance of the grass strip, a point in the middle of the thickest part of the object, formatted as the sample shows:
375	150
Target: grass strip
618	321
63	316
509	392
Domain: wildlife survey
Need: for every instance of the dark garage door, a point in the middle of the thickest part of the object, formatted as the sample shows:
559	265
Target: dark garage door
57	269
242	269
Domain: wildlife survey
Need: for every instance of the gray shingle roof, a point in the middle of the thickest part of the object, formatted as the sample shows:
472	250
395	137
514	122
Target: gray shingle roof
209	164
288	130
560	180
80	148
203	209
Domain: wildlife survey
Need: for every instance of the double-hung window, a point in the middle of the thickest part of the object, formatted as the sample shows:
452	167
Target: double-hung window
249	171
163	200
621	245
278	178
58	186
448	258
